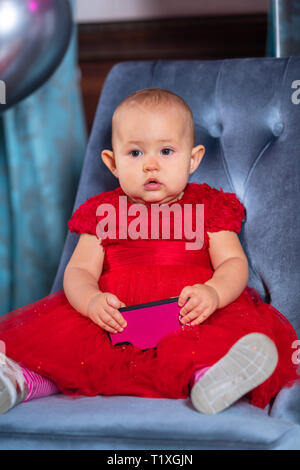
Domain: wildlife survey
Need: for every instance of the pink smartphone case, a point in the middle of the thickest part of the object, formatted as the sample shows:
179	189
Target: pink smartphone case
147	323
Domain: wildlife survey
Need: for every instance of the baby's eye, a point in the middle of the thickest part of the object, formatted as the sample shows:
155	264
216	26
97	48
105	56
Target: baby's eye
134	153
167	151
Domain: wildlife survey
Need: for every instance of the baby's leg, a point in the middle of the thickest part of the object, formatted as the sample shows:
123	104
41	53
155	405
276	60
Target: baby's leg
12	384
197	376
37	386
17	384
79	358
248	363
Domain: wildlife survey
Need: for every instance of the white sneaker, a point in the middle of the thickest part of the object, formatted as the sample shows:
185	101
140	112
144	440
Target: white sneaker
13	388
249	362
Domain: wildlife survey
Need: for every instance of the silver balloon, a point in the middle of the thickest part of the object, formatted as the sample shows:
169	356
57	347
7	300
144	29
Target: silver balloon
34	36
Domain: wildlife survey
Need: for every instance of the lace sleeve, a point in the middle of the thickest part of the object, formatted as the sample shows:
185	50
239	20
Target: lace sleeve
84	218
223	211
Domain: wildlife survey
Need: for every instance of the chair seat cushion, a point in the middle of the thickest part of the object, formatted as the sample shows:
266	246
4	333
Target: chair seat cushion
123	422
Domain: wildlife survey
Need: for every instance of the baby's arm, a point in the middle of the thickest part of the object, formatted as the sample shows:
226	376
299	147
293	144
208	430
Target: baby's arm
81	285
230	265
83	271
227	283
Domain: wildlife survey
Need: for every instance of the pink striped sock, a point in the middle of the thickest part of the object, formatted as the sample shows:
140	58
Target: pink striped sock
197	375
38	386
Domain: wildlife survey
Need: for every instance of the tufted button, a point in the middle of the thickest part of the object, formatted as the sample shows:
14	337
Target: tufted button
216	129
278	129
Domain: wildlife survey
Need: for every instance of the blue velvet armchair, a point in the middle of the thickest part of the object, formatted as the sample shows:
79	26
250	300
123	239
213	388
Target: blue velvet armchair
247	115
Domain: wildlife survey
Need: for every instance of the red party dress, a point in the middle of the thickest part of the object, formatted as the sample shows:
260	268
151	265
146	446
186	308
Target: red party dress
53	339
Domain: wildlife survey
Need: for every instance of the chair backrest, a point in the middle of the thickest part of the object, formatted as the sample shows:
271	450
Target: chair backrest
284	28
247	115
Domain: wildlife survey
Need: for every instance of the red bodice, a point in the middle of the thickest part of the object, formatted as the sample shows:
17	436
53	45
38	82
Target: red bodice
145	270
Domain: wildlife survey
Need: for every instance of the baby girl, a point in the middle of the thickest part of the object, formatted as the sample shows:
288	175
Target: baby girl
232	344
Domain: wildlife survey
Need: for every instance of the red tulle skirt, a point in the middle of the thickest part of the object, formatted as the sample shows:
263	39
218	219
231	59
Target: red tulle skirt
53	339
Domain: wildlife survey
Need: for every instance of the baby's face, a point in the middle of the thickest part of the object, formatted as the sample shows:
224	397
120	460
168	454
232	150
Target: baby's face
152	143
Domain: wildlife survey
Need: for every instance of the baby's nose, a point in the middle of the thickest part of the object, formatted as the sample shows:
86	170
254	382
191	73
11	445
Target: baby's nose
151	163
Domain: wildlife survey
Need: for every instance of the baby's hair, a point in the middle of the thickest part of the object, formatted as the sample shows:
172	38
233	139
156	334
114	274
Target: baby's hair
156	97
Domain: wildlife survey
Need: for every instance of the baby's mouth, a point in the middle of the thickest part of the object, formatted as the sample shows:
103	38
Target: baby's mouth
152	185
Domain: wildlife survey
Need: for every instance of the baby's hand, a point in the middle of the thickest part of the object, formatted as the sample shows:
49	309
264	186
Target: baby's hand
204	300
102	310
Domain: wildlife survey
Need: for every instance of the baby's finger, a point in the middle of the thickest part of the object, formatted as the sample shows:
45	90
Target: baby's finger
120	319
116	315
113	301
106	327
108	319
191	316
184	295
191	303
201	318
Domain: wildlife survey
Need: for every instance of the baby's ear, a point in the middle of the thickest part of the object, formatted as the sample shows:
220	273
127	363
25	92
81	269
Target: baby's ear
198	150
196	157
109	160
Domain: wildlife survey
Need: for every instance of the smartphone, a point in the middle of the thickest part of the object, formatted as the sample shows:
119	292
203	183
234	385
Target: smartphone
147	323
